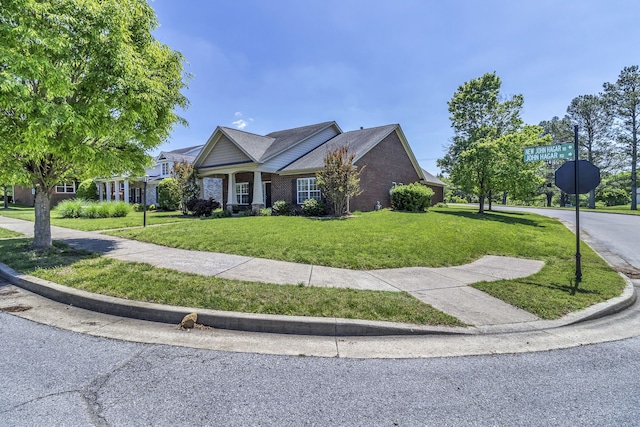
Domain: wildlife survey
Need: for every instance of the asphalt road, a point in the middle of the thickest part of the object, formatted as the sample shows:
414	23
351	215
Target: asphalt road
55	377
52	377
618	233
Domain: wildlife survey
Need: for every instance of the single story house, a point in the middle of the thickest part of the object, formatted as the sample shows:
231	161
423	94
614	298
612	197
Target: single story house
257	170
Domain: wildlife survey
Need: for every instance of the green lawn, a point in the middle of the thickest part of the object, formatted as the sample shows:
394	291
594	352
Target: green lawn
386	239
4	233
143	282
134	219
374	240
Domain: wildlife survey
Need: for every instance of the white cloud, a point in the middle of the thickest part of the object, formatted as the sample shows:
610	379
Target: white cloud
240	124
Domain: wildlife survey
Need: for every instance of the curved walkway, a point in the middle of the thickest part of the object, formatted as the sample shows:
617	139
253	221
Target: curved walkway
444	288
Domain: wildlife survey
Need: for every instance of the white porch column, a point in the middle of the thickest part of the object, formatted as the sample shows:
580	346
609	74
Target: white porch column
117	188
126	192
100	191
108	184
257	204
231	191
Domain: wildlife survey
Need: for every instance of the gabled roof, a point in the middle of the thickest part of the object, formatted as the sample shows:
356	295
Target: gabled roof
359	143
253	145
188	153
260	148
430	179
285	139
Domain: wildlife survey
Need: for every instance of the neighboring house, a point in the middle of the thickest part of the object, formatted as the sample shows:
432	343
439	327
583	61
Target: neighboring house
131	189
258	170
27	195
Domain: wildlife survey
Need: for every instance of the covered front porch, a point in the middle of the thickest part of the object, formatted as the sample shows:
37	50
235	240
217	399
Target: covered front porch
127	190
244	189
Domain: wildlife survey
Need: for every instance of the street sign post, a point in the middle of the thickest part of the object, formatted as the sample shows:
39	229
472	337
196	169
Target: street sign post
549	152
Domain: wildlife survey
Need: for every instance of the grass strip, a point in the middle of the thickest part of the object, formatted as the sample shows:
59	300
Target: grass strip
4	233
133	219
143	282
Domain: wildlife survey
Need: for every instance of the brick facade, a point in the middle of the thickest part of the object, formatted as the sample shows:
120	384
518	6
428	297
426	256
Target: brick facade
386	163
26	196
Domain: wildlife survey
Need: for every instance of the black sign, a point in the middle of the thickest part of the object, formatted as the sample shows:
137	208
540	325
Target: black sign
566	177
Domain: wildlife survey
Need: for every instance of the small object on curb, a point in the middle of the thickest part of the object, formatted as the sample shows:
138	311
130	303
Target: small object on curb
189	320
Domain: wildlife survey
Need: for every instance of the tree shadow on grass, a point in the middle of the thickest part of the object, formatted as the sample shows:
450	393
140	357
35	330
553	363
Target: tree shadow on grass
18	254
503	217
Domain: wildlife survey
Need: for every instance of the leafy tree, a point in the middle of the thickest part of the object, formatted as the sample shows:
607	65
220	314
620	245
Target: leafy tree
340	179
515	176
169	194
85	90
187	179
87	190
479	116
615	189
589	112
623	97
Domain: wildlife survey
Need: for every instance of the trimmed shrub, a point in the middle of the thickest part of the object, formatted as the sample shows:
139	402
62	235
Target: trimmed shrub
412	198
151	207
265	212
281	208
245	213
202	207
313	207
169	194
87	190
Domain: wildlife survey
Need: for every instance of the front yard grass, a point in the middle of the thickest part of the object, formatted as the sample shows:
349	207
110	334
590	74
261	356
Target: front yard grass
386	239
441	237
143	282
4	233
134	219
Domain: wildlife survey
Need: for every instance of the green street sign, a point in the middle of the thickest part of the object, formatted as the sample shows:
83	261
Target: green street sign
549	152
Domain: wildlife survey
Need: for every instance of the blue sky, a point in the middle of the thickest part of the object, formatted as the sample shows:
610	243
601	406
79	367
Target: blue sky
270	65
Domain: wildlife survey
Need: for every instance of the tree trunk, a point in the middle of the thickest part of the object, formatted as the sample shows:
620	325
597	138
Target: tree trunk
504	197
490	200
6	197
592	199
481	208
549	198
42	226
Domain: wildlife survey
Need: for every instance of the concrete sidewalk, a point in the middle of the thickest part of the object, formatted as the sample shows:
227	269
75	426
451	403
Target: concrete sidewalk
444	288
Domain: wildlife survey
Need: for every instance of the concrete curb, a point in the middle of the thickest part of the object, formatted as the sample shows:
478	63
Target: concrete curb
297	325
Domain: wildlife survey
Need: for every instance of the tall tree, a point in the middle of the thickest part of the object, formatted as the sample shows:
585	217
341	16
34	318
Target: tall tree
589	112
479	114
85	90
498	164
339	180
624	98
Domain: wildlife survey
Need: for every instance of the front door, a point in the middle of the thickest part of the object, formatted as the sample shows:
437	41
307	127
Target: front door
266	194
